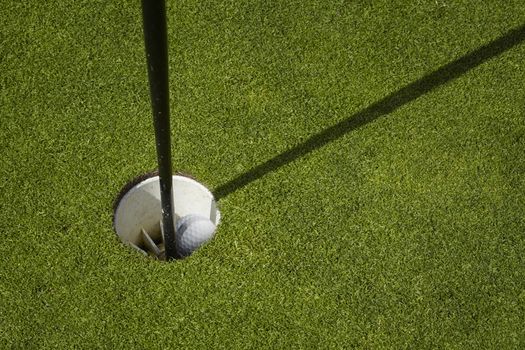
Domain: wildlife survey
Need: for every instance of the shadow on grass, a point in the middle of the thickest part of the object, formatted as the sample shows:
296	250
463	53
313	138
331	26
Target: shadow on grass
384	106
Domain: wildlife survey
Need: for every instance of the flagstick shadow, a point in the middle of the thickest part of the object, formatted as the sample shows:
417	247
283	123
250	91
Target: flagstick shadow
380	108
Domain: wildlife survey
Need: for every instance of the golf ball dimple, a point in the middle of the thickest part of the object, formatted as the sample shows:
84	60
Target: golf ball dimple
192	231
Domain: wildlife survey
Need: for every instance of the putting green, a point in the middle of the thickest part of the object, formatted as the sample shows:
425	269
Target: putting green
367	157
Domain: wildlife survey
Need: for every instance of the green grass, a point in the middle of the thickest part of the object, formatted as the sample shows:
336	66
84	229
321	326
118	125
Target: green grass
404	232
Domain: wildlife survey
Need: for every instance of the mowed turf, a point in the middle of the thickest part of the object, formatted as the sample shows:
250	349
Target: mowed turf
368	157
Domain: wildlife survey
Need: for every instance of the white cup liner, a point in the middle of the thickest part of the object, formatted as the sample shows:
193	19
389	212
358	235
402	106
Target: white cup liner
140	208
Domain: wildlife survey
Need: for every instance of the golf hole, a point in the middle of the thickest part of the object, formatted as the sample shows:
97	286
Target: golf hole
137	213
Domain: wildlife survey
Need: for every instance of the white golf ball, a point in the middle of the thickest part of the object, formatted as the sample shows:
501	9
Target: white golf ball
192	231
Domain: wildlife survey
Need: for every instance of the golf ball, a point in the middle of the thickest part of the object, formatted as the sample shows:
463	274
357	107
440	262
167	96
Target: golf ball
192	231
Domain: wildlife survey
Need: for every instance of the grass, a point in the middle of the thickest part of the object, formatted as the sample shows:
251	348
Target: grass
404	230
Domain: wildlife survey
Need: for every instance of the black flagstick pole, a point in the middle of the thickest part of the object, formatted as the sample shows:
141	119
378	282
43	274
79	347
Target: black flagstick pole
155	36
